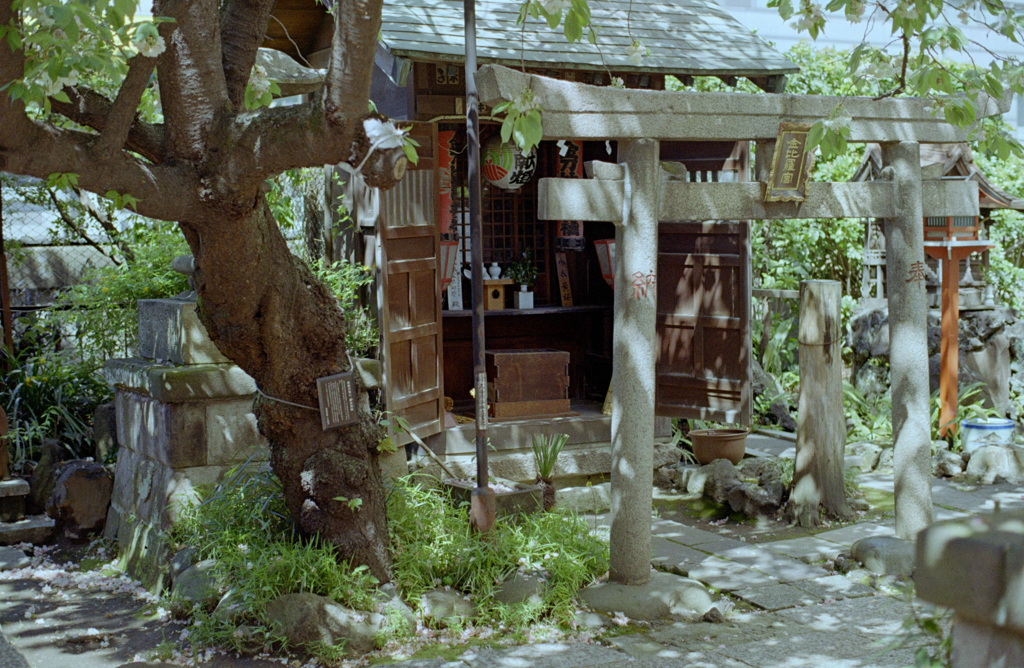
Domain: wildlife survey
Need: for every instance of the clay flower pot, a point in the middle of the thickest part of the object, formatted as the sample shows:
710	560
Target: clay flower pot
712	444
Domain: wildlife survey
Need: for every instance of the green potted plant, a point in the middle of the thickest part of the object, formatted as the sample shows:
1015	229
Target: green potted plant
523	272
545	454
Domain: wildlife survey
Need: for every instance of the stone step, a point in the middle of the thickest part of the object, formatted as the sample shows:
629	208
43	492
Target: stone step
36	529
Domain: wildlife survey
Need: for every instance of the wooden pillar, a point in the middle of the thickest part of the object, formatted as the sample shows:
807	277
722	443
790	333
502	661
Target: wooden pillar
818	483
908	345
949	345
634	355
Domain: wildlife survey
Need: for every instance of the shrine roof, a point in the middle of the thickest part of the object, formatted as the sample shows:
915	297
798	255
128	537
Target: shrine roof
684	37
944	161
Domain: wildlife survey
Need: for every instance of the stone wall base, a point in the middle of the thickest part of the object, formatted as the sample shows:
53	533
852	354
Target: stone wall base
985	646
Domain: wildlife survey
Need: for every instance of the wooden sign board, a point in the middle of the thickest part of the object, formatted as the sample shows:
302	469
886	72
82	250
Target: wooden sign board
791	165
563	279
339	400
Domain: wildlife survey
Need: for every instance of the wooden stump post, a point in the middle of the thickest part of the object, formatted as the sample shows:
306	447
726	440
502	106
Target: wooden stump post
821	431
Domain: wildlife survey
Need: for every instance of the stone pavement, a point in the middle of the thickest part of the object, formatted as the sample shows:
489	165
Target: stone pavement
790	610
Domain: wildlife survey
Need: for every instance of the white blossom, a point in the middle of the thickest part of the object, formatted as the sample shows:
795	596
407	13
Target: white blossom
258	80
383	134
151	46
555	6
636	52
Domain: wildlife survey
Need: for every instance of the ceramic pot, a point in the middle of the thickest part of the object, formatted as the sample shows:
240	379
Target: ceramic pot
712	444
494	270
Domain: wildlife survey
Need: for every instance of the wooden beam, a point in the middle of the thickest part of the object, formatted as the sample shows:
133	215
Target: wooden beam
580	111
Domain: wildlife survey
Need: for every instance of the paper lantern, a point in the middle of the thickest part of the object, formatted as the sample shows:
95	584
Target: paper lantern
505	166
449	253
606	258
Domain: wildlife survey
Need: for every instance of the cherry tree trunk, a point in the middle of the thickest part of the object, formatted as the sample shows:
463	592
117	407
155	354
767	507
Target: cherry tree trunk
266	311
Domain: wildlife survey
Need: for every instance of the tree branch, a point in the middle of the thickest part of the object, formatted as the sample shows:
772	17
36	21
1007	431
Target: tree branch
241	32
356	26
123	112
191	78
70	222
92	110
103	220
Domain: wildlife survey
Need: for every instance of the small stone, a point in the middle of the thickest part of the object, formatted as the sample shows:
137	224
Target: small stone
664	596
197	584
12	558
859	503
885	555
714	616
844	563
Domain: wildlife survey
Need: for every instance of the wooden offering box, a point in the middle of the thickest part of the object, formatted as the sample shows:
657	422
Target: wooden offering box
527	383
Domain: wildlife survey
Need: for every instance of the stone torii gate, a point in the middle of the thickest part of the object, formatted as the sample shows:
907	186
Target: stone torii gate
636	199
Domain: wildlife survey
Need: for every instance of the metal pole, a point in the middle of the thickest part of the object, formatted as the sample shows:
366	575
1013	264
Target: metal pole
482	500
5	288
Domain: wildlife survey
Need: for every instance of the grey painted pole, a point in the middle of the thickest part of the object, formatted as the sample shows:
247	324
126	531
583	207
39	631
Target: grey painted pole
908	344
482	499
634	351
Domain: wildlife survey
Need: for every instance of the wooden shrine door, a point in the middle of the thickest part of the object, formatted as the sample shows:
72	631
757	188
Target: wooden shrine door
703	321
410	294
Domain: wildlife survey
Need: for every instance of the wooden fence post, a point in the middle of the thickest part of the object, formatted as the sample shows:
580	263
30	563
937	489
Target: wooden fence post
821	429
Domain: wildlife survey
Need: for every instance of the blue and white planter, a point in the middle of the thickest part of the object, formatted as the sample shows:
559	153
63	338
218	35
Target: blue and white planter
976	432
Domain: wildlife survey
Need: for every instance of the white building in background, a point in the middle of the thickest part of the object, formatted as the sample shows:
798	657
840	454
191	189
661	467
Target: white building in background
841	34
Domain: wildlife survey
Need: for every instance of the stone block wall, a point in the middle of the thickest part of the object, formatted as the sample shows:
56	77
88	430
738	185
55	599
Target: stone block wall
183	421
976	567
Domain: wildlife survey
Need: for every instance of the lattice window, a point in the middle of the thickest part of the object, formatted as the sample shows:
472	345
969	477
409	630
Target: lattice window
509	218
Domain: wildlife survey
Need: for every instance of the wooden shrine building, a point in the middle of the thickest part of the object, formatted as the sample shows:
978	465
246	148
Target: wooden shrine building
426	330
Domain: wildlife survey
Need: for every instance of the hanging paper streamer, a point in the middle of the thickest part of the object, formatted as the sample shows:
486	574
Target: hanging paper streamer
444	192
569	235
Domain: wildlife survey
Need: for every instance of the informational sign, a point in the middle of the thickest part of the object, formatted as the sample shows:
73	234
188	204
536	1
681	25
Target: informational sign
563	279
338	400
791	165
569	236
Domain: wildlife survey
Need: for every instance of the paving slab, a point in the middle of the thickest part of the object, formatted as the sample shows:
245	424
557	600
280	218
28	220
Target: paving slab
779	567
807	647
718	544
875	616
849	535
777	596
808	549
546	655
729	575
647	652
682	533
834	587
673	557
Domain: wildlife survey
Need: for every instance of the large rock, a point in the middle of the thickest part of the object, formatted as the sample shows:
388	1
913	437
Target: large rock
521	588
446	606
304	619
80	498
946	464
104	432
990	463
197	584
753	500
44	475
867	452
719	476
885	555
664	596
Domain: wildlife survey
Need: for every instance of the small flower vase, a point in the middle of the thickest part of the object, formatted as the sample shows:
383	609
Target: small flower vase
522	299
494	271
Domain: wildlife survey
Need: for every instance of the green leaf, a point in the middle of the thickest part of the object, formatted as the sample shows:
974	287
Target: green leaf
815	134
506	128
573	27
410	153
554	19
61	96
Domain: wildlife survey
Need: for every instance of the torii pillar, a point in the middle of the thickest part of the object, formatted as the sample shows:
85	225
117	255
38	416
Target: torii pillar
908	342
634	348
